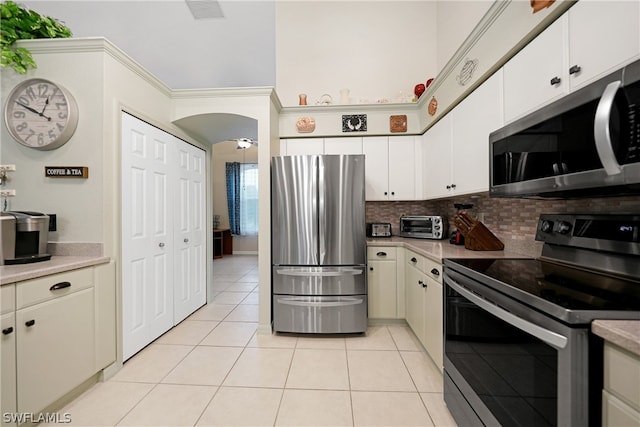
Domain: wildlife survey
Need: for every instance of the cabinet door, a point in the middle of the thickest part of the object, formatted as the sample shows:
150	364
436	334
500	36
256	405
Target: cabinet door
433	324
603	36
346	145
55	348
376	151
437	159
305	146
402	160
382	289
414	288
190	282
473	119
528	75
147	234
8	364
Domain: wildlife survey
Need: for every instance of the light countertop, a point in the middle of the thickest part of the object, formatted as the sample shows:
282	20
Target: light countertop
623	333
437	250
57	264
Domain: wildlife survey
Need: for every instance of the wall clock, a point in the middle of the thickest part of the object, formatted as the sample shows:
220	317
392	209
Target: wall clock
41	114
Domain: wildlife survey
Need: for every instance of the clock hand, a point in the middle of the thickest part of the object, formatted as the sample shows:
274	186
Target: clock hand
33	110
46	103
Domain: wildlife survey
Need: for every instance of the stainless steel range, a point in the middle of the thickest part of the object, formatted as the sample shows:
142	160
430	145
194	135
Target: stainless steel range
518	347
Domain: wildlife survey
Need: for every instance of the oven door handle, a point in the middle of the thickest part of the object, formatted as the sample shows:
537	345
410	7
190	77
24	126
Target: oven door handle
550	337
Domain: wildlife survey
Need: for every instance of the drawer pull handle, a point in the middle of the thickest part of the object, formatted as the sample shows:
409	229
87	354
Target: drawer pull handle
421	283
7	331
381	254
555	81
30	323
435	272
575	69
60	285
414	260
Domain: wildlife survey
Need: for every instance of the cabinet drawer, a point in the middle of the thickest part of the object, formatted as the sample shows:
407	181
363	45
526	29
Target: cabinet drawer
35	291
7	298
433	270
417	261
381	253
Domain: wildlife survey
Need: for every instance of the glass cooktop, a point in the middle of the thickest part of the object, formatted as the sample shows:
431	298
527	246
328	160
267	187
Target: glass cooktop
569	287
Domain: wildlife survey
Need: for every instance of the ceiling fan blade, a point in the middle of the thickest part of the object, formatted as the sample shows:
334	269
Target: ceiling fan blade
205	9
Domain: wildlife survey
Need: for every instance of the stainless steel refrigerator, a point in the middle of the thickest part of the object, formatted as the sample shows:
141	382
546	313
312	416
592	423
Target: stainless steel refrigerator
318	244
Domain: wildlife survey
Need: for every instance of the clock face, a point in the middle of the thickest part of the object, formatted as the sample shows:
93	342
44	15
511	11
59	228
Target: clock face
41	114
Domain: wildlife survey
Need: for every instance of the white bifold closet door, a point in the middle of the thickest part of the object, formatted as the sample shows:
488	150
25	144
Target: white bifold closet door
163	232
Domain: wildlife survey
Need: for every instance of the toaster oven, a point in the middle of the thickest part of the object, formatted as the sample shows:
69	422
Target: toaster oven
424	226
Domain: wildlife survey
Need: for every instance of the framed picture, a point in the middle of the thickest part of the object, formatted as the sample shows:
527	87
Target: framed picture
354	123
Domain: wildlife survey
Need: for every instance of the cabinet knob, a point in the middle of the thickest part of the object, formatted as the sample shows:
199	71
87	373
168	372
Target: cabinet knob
60	285
435	272
385	193
7	331
381	254
414	260
421	283
161	245
453	186
555	81
448	187
575	69
186	240
370	268
30	323
393	193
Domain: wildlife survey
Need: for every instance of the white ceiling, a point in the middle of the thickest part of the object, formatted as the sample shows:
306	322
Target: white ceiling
237	50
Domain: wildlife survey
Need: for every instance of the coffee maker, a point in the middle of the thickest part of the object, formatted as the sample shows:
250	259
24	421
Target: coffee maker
24	237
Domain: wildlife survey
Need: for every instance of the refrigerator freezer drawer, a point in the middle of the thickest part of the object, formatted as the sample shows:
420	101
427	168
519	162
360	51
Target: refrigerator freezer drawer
320	280
320	315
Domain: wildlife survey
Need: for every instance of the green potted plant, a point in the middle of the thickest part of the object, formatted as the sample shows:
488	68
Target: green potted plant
18	23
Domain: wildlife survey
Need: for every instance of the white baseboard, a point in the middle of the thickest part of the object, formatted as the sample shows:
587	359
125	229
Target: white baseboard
245	252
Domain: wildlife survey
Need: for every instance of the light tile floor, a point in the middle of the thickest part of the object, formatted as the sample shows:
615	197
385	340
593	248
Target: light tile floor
214	370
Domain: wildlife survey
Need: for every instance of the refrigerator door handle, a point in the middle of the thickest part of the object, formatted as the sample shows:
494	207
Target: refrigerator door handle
302	302
321	273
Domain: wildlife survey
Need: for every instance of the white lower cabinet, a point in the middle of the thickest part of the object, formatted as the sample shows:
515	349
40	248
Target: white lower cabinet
424	303
57	332
55	348
8	403
382	283
621	394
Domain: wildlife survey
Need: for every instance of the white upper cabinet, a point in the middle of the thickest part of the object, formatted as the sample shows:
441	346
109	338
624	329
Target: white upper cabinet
301	146
456	149
535	76
603	36
592	39
390	167
343	145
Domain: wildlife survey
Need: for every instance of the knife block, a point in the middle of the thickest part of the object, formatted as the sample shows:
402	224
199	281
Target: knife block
480	238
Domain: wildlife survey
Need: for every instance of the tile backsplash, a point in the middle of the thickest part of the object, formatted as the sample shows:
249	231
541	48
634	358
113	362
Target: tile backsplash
513	221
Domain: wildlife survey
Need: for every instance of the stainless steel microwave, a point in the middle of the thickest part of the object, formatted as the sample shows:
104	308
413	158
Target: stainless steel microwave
583	145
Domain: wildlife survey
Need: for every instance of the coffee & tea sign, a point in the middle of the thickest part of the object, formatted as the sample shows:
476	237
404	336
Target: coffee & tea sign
66	171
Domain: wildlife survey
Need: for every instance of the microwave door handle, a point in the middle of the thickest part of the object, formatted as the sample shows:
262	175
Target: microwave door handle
601	130
550	337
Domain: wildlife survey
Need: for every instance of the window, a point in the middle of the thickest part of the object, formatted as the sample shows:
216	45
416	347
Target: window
242	197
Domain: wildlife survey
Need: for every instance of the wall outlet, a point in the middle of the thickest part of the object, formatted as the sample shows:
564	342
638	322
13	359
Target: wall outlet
7	193
7	168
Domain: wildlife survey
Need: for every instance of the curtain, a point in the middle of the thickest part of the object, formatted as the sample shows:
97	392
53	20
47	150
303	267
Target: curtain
233	196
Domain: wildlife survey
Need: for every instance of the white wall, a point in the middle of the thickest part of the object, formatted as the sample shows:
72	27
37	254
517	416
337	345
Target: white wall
377	49
455	20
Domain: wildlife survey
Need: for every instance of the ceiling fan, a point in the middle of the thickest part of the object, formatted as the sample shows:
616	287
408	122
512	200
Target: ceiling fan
244	143
205	9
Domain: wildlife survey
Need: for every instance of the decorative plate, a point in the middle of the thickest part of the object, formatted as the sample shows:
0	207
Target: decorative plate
433	106
398	123
306	124
354	123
